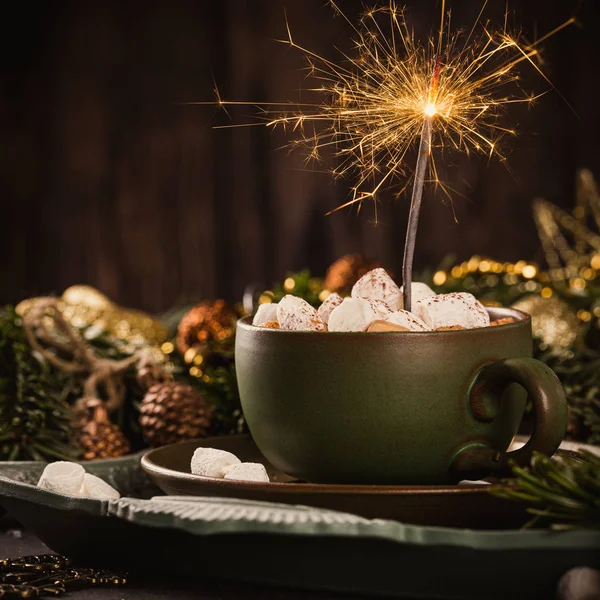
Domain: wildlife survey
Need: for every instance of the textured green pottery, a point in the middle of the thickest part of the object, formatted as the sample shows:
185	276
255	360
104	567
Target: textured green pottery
398	407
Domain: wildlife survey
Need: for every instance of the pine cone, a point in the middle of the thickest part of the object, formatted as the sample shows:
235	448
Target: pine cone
172	412
207	322
96	435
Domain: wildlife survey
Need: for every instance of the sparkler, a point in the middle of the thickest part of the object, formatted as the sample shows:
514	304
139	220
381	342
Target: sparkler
395	93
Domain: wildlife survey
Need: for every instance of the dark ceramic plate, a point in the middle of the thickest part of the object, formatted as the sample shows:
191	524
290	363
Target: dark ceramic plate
287	545
468	505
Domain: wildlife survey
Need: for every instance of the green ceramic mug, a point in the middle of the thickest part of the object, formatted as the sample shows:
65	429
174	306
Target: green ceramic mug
397	407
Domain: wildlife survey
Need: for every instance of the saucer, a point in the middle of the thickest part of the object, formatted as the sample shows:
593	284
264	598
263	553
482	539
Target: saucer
467	505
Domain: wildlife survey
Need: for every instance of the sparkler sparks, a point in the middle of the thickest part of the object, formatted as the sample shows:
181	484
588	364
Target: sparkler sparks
395	93
374	103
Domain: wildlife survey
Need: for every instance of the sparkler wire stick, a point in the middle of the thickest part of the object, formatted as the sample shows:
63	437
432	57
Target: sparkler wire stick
418	184
415	209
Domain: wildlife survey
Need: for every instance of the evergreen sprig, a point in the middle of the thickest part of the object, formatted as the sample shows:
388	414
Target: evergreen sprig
35	417
562	493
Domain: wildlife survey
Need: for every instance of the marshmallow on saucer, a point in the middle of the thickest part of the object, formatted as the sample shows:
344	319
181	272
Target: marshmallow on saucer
295	314
378	285
211	462
446	310
403	318
94	487
332	301
63	477
419	291
247	472
353	314
266	312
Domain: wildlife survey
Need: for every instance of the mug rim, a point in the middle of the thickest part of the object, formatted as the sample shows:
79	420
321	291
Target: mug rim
523	318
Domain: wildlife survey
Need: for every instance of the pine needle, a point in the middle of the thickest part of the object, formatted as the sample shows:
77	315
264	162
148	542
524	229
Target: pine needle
561	493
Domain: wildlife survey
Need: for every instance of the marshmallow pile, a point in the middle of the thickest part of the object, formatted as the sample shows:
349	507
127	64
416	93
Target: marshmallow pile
210	462
376	304
70	478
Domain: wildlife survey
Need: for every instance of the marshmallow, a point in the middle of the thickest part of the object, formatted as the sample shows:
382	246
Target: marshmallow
378	285
405	319
353	314
295	314
94	487
419	291
332	301
63	477
382	326
266	312
247	472
210	462
380	307
447	310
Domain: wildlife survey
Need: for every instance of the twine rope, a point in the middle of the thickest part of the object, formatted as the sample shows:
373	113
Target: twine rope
41	325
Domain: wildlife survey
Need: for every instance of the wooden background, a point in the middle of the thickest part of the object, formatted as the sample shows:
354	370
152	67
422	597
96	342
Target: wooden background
107	179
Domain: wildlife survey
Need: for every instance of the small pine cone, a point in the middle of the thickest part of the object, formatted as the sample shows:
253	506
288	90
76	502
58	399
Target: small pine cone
172	412
102	440
210	321
96	435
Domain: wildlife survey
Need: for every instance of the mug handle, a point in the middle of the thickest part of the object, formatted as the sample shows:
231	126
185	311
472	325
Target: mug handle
549	406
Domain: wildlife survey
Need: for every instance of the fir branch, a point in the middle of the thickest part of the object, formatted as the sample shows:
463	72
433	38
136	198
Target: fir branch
562	493
34	410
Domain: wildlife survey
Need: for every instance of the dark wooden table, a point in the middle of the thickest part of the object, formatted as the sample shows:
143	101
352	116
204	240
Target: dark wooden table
15	542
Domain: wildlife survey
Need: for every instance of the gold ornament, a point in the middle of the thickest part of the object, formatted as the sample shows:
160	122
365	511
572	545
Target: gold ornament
571	247
210	321
95	434
552	320
82	305
173	412
346	271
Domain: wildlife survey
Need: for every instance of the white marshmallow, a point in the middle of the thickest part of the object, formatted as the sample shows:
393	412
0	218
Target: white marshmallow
94	487
295	314
446	310
266	312
419	291
378	285
353	314
210	462
247	472
332	301
63	477
380	307
408	320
